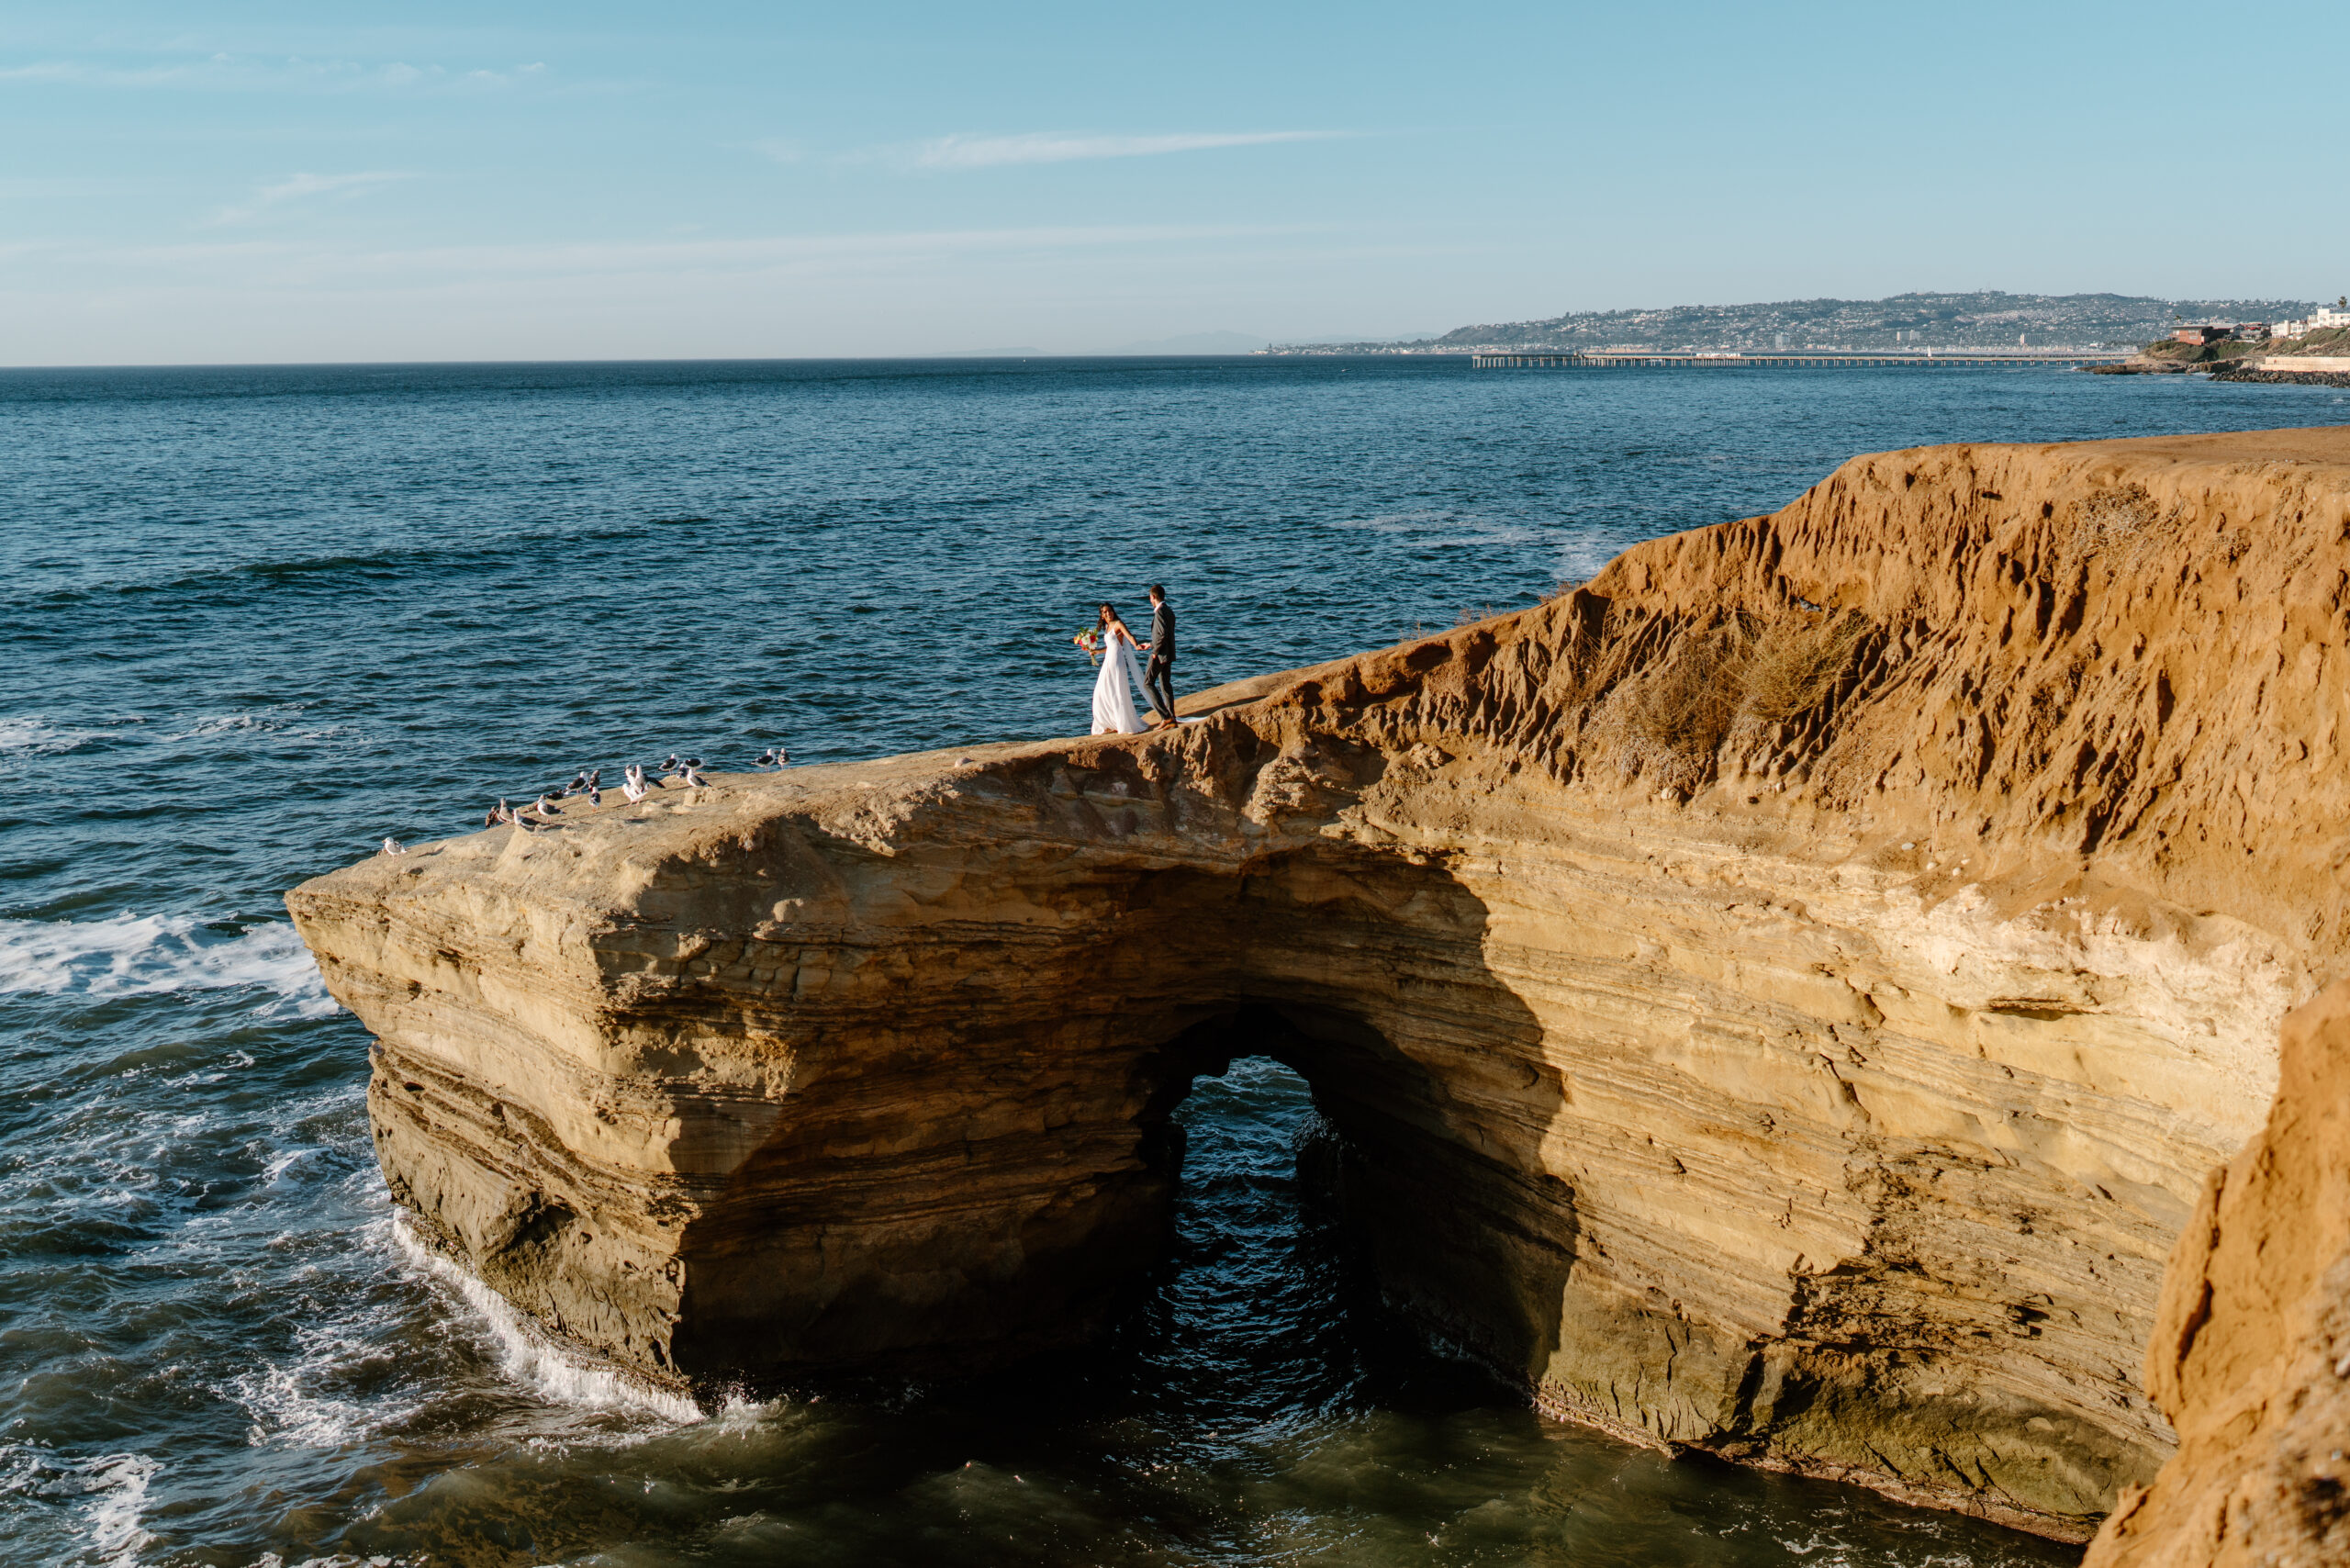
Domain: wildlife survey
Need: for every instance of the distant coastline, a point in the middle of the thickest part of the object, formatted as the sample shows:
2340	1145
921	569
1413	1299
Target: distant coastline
2080	322
2320	358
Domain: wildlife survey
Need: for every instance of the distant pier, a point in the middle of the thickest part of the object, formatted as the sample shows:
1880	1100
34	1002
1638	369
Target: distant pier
1952	359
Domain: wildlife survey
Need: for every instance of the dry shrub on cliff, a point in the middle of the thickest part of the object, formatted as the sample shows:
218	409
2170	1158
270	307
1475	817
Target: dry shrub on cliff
1794	664
1665	724
1738	681
1692	706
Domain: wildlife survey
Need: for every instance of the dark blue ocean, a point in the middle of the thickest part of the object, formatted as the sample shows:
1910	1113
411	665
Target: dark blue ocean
261	618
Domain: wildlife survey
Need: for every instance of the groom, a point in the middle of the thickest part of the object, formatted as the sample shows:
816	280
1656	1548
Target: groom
1159	677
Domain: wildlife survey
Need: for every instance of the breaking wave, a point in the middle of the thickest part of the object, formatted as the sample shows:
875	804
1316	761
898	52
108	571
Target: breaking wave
147	954
529	1358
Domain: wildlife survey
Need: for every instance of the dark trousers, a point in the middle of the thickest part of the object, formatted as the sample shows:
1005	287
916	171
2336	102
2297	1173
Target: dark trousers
1158	684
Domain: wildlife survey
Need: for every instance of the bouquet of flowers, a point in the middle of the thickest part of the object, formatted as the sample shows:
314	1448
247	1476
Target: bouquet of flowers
1091	641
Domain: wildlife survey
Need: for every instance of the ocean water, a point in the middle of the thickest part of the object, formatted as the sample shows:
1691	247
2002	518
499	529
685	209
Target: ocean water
261	618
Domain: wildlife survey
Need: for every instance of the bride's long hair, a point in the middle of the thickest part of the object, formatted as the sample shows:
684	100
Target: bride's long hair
1110	618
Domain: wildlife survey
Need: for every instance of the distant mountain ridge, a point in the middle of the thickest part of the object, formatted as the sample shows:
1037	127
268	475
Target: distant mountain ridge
1985	319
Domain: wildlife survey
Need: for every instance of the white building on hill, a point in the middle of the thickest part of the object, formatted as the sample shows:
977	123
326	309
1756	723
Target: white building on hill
2323	318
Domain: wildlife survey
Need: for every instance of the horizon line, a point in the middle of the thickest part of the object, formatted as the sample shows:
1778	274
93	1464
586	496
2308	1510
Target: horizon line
965	355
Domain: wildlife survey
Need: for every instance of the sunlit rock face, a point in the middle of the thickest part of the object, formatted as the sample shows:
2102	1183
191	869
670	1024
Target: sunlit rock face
2251	1349
1782	998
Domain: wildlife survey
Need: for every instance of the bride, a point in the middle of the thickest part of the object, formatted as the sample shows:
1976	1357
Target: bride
1114	688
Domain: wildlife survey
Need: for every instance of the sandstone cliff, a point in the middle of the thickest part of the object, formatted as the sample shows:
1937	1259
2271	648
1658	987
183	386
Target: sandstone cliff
1782	998
2251	1349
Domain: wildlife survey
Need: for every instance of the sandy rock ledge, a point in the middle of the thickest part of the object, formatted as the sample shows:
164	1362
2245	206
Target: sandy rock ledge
1782	999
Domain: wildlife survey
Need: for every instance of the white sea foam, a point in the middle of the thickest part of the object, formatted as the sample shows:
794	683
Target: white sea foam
118	1487
38	736
141	955
282	1163
741	1410
293	1401
1581	559
529	1357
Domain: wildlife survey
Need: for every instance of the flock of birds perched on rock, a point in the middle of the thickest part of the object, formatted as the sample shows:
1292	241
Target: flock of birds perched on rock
636	782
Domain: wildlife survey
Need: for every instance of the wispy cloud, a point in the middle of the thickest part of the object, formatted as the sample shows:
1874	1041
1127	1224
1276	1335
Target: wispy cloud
230	73
298	187
961	151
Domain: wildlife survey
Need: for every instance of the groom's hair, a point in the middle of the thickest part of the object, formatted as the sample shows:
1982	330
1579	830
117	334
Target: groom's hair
1158	592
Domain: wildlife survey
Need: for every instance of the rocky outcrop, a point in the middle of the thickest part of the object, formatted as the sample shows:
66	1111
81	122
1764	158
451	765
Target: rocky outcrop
2279	371
1781	999
2251	1349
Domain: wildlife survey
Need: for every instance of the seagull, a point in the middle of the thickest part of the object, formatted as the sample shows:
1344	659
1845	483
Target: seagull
578	784
633	784
775	756
670	764
595	796
692	778
498	813
692	762
394	846
546	806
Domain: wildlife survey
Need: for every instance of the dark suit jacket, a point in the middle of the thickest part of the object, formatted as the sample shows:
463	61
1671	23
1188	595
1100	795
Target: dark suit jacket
1162	632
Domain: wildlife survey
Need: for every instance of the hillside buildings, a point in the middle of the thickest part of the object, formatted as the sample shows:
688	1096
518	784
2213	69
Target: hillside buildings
2320	319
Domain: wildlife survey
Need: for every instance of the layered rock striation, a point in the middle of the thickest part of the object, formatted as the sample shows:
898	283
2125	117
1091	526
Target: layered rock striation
1781	998
2251	1349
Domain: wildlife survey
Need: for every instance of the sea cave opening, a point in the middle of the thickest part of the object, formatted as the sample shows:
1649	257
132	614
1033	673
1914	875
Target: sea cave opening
1284	1293
1320	1214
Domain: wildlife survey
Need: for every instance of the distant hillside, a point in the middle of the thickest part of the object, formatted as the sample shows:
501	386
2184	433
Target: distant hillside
1954	320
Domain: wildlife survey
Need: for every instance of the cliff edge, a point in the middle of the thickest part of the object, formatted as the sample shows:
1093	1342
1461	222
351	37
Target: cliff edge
1781	999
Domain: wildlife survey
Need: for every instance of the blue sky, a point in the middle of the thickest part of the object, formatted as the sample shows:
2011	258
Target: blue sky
253	183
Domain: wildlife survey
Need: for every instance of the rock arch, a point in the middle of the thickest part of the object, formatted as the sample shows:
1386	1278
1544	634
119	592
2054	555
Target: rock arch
1829	979
957	1191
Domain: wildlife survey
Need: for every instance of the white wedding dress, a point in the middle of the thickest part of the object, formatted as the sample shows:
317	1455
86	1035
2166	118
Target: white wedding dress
1114	712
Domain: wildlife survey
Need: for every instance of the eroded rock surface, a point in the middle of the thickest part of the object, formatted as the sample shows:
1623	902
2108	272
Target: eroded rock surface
1782	998
2251	1349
